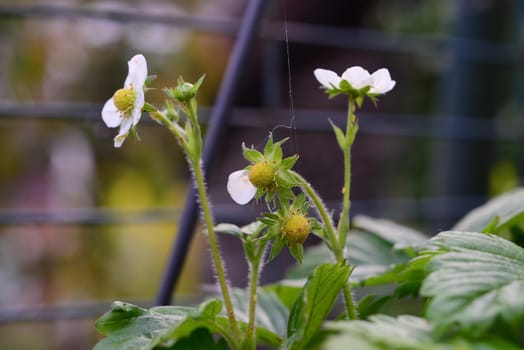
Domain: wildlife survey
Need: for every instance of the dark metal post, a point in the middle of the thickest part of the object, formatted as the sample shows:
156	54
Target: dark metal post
472	90
217	126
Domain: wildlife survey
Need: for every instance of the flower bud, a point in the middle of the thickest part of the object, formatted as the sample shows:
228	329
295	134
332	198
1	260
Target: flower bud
184	92
124	99
262	175
296	228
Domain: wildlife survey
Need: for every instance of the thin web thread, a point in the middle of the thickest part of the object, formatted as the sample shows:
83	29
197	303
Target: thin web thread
292	126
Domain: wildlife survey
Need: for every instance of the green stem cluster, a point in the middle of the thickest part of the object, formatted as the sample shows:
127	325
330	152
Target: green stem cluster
333	242
336	239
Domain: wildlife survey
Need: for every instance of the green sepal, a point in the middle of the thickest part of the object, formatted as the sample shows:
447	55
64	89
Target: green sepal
134	134
276	247
170	92
341	138
198	83
289	162
268	148
352	133
149	108
273	150
252	154
184	91
297	251
359	100
149	80
171	111
285	193
318	229
286	179
269	218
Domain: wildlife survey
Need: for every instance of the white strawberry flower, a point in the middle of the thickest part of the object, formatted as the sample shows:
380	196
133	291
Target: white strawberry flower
358	78
124	108
239	187
382	82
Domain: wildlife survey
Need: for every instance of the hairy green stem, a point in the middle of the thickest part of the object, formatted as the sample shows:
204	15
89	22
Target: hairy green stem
335	247
343	223
179	133
215	252
250	339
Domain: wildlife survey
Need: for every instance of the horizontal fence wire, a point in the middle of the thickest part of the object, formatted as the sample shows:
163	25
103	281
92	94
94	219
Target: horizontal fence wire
434	46
428	209
373	123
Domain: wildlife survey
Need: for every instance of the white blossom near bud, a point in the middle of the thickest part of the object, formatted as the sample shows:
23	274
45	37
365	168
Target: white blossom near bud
240	188
382	82
358	78
124	108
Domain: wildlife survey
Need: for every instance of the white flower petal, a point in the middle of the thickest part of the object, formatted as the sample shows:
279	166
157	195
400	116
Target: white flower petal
240	188
119	139
111	115
327	78
382	82
137	72
137	109
358	77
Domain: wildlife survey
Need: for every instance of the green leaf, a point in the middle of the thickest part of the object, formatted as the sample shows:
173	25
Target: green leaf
371	304
411	276
229	229
370	254
341	138
507	207
400	236
287	291
270	315
404	332
314	303
130	327
200	339
477	279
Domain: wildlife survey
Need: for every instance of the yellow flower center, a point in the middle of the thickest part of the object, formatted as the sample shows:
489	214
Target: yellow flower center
296	229
124	99
262	175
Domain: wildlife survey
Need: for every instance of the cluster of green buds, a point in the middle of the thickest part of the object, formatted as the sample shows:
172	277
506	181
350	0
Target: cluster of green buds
268	174
289	226
182	98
